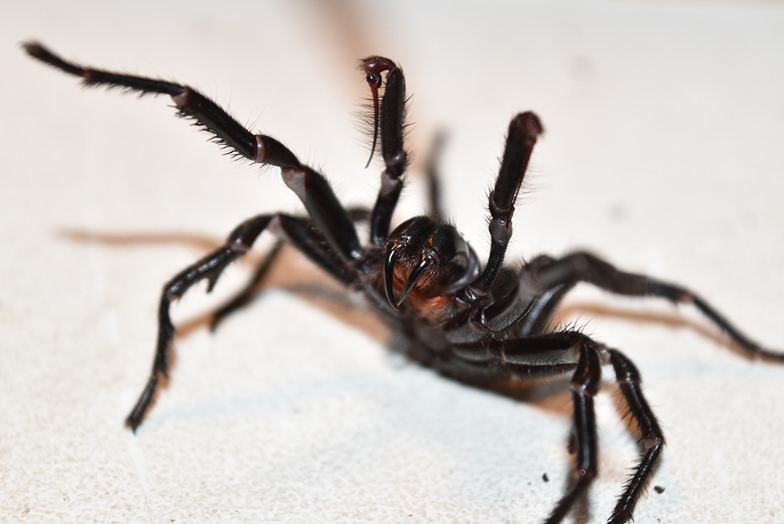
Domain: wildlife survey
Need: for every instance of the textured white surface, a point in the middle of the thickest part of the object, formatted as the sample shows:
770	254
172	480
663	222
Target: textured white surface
663	153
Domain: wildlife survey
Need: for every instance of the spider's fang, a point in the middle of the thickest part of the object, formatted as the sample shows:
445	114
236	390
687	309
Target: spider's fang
413	278
389	268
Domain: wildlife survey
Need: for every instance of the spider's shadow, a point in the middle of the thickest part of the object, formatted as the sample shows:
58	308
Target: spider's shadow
299	277
317	289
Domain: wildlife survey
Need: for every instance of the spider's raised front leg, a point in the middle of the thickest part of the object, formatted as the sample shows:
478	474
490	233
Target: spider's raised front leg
520	141
548	280
311	187
297	231
556	353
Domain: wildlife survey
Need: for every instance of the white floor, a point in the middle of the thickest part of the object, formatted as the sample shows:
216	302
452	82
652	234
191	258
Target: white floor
663	152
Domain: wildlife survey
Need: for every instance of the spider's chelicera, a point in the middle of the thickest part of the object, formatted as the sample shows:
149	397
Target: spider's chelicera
469	320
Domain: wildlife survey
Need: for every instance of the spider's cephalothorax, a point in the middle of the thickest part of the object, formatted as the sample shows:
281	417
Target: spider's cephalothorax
426	262
423	278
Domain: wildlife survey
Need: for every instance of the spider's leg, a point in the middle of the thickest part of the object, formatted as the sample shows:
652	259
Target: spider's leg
651	436
299	232
388	123
546	355
310	186
357	215
584	386
244	297
553	277
520	142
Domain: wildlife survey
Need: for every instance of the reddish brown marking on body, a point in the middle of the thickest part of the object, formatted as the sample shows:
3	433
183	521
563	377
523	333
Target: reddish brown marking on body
424	299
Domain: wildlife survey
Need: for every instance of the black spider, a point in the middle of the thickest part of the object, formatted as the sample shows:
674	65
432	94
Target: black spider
468	321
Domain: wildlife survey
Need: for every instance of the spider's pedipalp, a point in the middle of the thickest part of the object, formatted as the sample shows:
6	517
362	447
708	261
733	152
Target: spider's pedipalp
388	124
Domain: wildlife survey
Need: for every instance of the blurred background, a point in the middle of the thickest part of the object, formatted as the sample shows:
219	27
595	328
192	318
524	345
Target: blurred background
664	124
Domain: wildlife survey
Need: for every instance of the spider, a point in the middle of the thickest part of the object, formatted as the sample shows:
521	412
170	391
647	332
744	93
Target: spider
471	321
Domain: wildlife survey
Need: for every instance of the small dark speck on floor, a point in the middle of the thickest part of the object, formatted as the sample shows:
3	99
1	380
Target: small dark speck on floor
658	489
545	477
